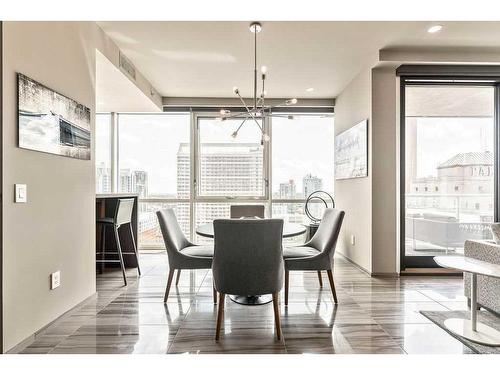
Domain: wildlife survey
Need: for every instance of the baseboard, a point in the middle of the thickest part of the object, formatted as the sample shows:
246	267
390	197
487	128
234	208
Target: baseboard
355	264
27	341
385	274
431	272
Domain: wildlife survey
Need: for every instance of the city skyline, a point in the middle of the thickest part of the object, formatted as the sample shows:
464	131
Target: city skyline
126	184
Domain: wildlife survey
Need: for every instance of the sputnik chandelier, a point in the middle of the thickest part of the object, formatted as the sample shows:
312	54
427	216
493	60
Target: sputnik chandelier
258	110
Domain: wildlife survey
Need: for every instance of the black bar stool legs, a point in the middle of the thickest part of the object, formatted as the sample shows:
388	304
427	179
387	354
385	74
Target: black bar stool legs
135	248
120	255
123	215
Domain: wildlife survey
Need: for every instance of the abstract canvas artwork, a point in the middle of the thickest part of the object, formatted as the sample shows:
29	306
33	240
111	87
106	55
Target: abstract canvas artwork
51	122
351	152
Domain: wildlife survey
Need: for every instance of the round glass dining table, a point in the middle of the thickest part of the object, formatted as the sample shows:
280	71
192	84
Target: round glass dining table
289	230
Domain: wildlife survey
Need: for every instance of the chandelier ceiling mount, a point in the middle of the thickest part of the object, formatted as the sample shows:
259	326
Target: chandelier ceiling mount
258	110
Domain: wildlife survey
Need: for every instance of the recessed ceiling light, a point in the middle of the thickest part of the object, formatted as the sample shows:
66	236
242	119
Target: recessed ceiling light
434	29
310	89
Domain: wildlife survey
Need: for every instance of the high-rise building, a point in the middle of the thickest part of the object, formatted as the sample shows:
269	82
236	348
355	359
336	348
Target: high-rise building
183	171
132	181
225	170
287	190
103	179
125	179
310	184
140	183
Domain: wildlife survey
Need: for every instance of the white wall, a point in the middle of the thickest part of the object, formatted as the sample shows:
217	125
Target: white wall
55	230
371	203
354	195
385	176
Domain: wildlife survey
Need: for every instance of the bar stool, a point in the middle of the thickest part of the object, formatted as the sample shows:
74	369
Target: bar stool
123	216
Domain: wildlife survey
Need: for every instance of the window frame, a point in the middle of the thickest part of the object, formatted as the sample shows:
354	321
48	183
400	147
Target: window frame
194	138
272	200
197	165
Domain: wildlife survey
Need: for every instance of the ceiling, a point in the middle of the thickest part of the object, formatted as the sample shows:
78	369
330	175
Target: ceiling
206	59
115	92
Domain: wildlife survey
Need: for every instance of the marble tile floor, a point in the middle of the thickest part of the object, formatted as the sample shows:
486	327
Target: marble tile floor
374	315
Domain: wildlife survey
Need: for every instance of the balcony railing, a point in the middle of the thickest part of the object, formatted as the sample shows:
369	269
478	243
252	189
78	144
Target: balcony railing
440	223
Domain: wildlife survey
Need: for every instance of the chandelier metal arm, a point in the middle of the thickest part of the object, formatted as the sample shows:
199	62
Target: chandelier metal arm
255	72
239	127
249	111
259	109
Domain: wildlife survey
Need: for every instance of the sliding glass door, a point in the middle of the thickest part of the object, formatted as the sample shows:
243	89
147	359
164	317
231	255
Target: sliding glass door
448	167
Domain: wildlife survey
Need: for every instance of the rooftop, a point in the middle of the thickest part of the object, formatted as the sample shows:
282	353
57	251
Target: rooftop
222	148
468	158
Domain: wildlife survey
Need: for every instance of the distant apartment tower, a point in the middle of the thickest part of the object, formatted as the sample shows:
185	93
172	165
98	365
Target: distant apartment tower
183	171
225	170
140	183
287	190
310	184
125	181
103	179
134	182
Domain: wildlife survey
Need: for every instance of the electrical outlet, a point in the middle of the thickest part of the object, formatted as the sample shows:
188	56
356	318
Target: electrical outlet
55	279
353	240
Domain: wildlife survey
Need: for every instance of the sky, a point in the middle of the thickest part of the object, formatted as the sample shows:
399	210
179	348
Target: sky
439	139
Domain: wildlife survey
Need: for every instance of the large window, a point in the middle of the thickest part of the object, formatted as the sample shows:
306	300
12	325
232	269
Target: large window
103	153
449	168
153	155
155	159
302	162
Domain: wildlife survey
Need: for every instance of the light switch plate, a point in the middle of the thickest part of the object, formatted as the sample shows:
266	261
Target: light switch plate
55	279
21	192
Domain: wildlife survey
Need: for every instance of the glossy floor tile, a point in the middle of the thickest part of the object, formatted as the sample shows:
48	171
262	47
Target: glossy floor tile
374	315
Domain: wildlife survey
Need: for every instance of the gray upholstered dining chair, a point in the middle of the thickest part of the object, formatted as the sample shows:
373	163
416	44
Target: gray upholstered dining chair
246	210
317	254
182	254
248	261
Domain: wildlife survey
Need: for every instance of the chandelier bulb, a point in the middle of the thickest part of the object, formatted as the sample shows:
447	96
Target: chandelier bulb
236	90
265	137
225	112
263	69
235	134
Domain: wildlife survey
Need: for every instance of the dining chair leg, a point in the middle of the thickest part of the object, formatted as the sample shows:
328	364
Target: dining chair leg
276	308
135	248
287	274
220	315
332	285
120	255
178	277
169	282
320	279
215	294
